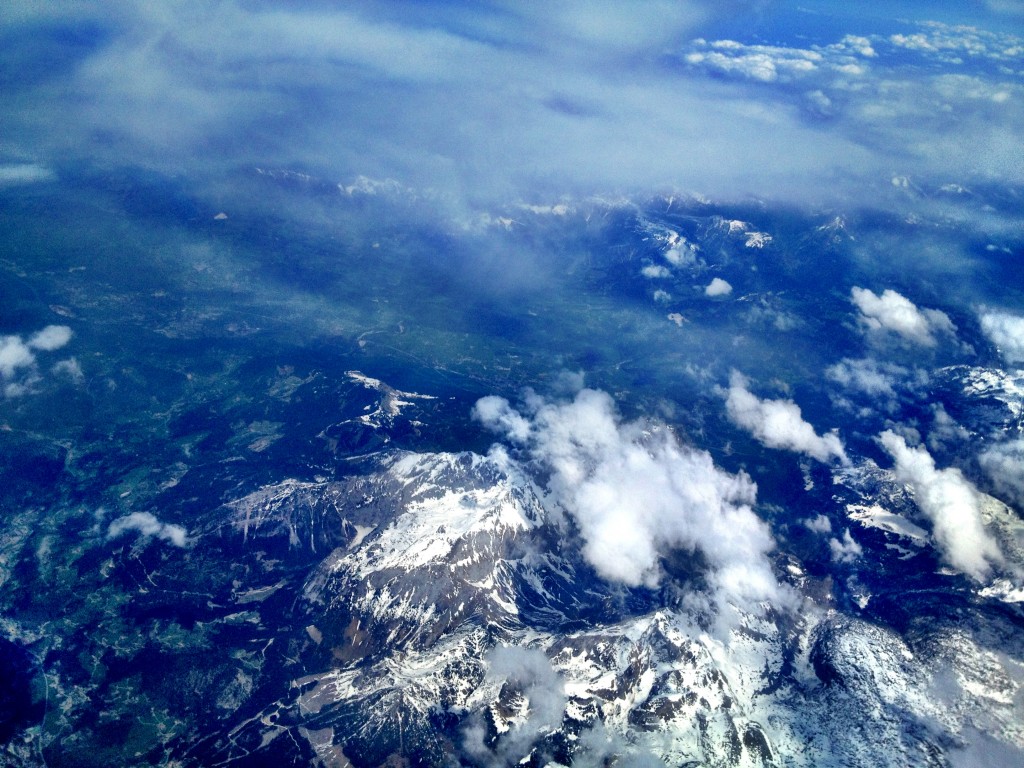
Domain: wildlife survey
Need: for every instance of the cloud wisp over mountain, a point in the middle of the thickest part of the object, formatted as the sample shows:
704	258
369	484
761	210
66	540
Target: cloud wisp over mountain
952	504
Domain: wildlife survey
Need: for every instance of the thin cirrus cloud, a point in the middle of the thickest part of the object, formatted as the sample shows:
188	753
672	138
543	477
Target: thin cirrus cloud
501	99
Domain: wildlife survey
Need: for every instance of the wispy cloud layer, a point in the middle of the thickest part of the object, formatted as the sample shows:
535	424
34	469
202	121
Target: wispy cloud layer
500	98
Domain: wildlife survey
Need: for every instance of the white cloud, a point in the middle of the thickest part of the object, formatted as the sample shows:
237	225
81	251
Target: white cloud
18	366
147	524
819	524
867	375
24	173
846	550
655	271
506	101
718	287
952	504
14	354
882	382
463	102
52	337
527	672
764	63
1004	465
1006	331
636	493
944	429
779	423
498	414
70	367
895	313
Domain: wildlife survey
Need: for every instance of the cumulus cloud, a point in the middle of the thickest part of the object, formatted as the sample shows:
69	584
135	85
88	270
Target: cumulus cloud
895	313
50	338
1004	465
869	376
14	354
950	502
964	109
718	287
18	369
778	423
147	524
1006	331
944	429
655	271
599	747
635	492
763	63
819	524
70	368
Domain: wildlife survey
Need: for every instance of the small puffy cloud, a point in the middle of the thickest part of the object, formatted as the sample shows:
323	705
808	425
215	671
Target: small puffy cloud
1006	331
1004	465
147	524
655	271
682	255
498	415
19	372
635	493
819	524
50	338
860	45
530	670
845	550
952	504
14	354
895	313
779	423
718	287
762	63
70	368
